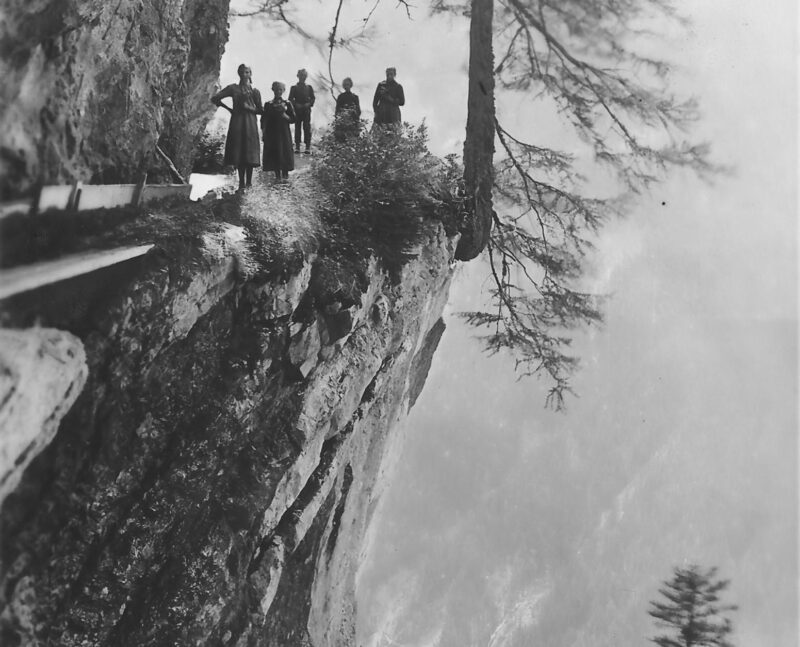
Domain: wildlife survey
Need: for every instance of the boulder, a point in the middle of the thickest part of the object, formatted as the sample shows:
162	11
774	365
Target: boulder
42	371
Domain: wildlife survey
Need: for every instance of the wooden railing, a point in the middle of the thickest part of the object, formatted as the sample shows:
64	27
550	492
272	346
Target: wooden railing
84	197
79	197
35	275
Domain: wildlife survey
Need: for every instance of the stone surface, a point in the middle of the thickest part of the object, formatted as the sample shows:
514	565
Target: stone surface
42	371
202	490
89	88
304	348
215	479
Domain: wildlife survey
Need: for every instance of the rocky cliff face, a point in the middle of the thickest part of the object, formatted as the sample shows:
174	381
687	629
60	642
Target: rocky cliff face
191	449
214	480
90	87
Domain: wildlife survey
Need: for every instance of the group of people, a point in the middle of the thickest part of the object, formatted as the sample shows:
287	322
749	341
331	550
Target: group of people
242	145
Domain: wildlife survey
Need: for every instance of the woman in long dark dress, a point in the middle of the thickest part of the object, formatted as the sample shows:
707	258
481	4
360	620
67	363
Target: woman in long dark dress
348	112
242	145
275	119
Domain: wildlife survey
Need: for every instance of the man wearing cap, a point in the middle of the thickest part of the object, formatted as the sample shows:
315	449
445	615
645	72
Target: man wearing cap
388	99
301	96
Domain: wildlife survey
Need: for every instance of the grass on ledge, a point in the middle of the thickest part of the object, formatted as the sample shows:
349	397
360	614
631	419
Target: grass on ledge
281	226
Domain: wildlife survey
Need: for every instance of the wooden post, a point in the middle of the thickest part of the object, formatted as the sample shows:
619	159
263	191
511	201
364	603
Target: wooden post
139	192
74	196
170	165
37	194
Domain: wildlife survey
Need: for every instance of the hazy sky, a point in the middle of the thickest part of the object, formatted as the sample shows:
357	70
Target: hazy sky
510	525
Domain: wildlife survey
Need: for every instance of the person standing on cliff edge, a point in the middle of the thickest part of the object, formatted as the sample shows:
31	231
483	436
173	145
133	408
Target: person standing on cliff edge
275	120
242	145
301	96
348	112
388	99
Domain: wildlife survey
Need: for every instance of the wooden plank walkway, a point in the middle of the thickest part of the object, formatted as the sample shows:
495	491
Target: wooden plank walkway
80	197
17	206
28	277
85	197
158	191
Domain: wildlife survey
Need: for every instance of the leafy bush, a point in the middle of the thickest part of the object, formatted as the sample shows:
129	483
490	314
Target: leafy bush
210	154
379	187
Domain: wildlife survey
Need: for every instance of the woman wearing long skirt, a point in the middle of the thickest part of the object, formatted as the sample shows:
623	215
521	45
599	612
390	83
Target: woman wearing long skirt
275	119
348	113
242	146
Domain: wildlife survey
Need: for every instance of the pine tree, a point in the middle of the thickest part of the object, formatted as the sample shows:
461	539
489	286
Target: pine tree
691	611
476	224
584	57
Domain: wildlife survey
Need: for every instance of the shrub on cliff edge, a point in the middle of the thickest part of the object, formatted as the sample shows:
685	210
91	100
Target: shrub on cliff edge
378	189
210	153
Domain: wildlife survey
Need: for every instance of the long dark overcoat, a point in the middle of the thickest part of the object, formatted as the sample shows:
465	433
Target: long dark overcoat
348	112
386	103
275	120
242	146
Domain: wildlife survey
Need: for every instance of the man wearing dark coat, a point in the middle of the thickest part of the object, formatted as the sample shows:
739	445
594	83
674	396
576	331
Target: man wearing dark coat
275	120
301	96
388	99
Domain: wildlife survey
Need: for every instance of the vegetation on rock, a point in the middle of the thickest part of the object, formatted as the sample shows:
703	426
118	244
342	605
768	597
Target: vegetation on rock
378	189
210	152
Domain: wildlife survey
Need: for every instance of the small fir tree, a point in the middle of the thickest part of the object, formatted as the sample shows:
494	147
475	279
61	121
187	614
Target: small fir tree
692	612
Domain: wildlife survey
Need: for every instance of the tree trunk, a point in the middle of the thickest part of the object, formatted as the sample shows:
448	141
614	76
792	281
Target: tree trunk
479	141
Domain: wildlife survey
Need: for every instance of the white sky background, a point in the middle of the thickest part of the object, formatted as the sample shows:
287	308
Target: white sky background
510	525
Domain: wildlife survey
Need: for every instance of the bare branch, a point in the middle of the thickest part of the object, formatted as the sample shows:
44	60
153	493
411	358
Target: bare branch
331	45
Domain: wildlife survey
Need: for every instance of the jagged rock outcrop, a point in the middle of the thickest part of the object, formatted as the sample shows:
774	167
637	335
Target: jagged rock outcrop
90	87
213	483
42	371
